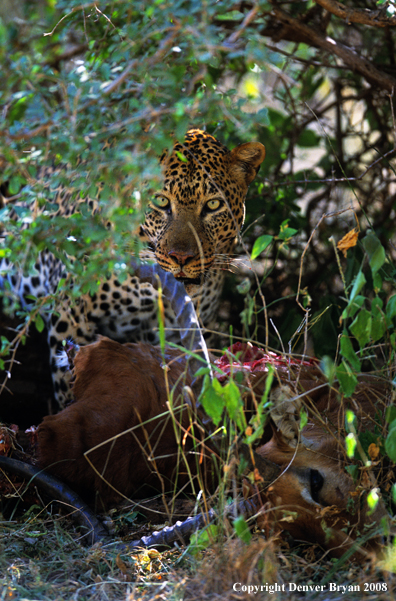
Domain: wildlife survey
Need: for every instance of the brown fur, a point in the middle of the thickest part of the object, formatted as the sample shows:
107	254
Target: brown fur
337	512
120	391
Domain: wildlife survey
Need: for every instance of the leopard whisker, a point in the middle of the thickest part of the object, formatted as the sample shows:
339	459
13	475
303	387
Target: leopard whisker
226	266
226	261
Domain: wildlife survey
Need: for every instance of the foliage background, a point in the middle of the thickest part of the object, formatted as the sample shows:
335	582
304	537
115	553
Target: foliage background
76	75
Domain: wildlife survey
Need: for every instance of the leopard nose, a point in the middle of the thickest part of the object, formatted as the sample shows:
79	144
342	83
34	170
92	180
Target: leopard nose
181	258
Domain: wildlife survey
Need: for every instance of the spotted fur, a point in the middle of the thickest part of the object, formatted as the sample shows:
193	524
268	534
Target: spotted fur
194	221
191	228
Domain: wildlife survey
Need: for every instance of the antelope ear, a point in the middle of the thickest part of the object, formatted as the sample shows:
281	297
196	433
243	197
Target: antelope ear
245	161
268	470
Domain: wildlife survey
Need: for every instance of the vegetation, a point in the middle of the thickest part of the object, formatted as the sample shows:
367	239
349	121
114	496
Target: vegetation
104	88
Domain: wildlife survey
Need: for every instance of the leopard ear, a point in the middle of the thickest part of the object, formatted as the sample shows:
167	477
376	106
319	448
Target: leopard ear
245	161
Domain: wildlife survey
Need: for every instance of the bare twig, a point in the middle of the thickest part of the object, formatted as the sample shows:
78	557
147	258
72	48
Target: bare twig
324	216
49	33
157	56
252	14
335	180
374	18
353	60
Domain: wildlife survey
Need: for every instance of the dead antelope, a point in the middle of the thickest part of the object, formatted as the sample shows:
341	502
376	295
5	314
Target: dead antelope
313	496
122	437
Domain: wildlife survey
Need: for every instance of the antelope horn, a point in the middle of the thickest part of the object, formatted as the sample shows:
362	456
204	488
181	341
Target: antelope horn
57	490
191	337
181	531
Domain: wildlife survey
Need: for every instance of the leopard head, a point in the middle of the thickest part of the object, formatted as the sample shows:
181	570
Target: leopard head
198	214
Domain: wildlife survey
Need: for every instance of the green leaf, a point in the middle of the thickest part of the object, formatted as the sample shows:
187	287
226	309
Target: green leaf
354	299
376	304
361	327
181	157
352	470
358	284
308	139
354	307
286	233
267	388
377	282
242	529
39	323
234	404
5	345
260	245
161	324
348	352
16	182
350	444
375	252
378	328
390	442
259	419
391	307
303	418
202	371
390	414
212	400
378	325
202	539
244	286
327	366
346	378
350	421
394	493
372	500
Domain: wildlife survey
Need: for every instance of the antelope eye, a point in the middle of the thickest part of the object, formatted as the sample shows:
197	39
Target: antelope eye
316	482
161	202
213	204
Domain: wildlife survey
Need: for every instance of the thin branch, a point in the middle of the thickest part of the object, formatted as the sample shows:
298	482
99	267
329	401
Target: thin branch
335	180
117	82
83	7
374	18
252	14
157	57
353	60
324	216
28	134
49	33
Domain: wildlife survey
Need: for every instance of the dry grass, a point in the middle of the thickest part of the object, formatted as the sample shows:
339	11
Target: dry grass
41	558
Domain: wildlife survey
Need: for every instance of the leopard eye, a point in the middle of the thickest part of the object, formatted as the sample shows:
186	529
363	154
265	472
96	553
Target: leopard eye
213	204
161	202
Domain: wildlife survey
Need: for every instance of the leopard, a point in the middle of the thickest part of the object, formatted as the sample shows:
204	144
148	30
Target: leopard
190	230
